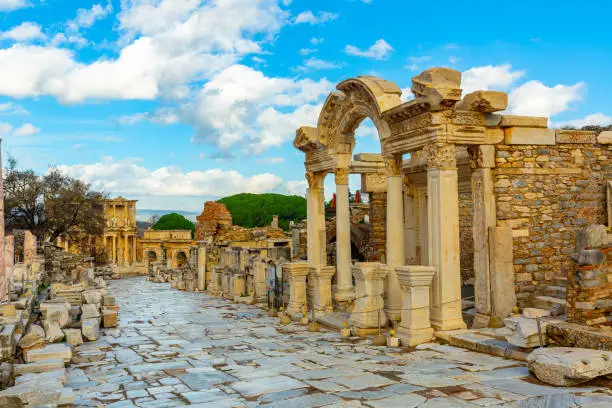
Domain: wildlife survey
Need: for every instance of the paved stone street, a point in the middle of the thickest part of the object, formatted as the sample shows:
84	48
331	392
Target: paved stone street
176	348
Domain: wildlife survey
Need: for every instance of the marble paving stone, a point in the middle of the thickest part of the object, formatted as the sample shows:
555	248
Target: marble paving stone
267	385
403	401
362	381
307	401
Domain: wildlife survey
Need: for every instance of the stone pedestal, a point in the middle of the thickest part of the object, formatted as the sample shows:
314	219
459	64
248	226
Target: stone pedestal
443	236
225	281
238	285
322	288
415	281
370	287
296	273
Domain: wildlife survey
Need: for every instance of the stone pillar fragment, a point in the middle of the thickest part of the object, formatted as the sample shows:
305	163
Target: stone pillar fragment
415	281
484	217
201	268
395	234
501	264
296	273
368	311
344	282
322	291
443	236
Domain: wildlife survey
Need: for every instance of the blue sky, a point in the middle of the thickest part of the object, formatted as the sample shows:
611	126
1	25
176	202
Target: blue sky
175	102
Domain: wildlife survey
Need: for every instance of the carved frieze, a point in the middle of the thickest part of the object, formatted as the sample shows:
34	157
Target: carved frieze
440	156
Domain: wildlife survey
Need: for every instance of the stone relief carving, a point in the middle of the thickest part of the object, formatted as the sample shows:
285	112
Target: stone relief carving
393	165
440	156
341	175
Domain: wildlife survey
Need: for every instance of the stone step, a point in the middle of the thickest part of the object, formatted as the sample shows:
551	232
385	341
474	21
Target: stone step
482	341
559	292
560	281
547	302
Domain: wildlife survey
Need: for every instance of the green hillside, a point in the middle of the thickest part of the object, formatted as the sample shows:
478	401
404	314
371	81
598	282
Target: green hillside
256	210
174	221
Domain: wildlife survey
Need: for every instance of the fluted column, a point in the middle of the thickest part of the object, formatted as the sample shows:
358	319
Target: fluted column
344	280
443	237
395	234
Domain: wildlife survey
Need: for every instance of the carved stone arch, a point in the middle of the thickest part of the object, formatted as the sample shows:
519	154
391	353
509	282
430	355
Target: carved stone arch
357	99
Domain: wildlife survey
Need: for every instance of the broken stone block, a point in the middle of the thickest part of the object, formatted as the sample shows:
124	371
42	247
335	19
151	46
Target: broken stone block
56	312
439	87
53	331
91	329
109	318
67	397
34	338
9	310
7	341
108	301
59	350
74	313
593	236
525	331
92	297
40	394
567	366
532	312
39	366
90	311
484	101
73	336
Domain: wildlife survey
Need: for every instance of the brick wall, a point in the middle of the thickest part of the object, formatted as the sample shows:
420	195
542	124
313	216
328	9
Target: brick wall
546	193
466	235
378	227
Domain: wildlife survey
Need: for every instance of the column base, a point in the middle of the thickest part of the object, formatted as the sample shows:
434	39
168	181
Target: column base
394	314
481	321
454	324
344	294
413	337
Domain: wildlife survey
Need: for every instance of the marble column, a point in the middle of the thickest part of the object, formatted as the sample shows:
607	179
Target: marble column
201	268
395	234
415	281
410	244
484	217
316	218
369	303
296	273
443	236
134	249
114	248
125	249
344	281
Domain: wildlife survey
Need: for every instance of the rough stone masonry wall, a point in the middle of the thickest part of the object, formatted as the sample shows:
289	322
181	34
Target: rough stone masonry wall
378	227
546	193
466	235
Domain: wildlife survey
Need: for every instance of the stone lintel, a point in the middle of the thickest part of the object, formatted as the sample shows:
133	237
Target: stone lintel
523	121
517	171
529	136
374	183
576	136
368	157
320	161
296	269
494	136
362	167
306	139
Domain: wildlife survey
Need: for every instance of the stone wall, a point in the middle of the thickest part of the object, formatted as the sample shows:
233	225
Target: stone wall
466	235
214	216
546	193
378	227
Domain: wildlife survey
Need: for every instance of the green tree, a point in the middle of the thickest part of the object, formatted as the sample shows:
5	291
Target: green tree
174	221
257	210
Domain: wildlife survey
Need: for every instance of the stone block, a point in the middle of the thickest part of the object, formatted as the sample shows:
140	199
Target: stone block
591	257
91	329
523	121
73	337
42	366
578	335
593	236
9	310
52	351
90	311
109	318
605	137
34	338
53	331
92	297
57	313
31	395
568	366
532	312
108	300
529	136
437	86
484	101
524	331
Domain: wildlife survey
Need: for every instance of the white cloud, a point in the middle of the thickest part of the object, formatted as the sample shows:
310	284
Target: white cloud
271	160
238	106
310	18
415	62
315	64
24	32
380	50
12	109
490	77
306	51
595	119
5	129
533	98
316	40
168	44
129	178
10	5
85	18
163	116
297	187
407	94
367	130
27	129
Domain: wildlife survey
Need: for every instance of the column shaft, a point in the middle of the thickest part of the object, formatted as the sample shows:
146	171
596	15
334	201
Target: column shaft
395	236
344	280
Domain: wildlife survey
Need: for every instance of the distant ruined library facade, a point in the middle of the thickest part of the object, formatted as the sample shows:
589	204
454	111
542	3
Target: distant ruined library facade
500	195
120	237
